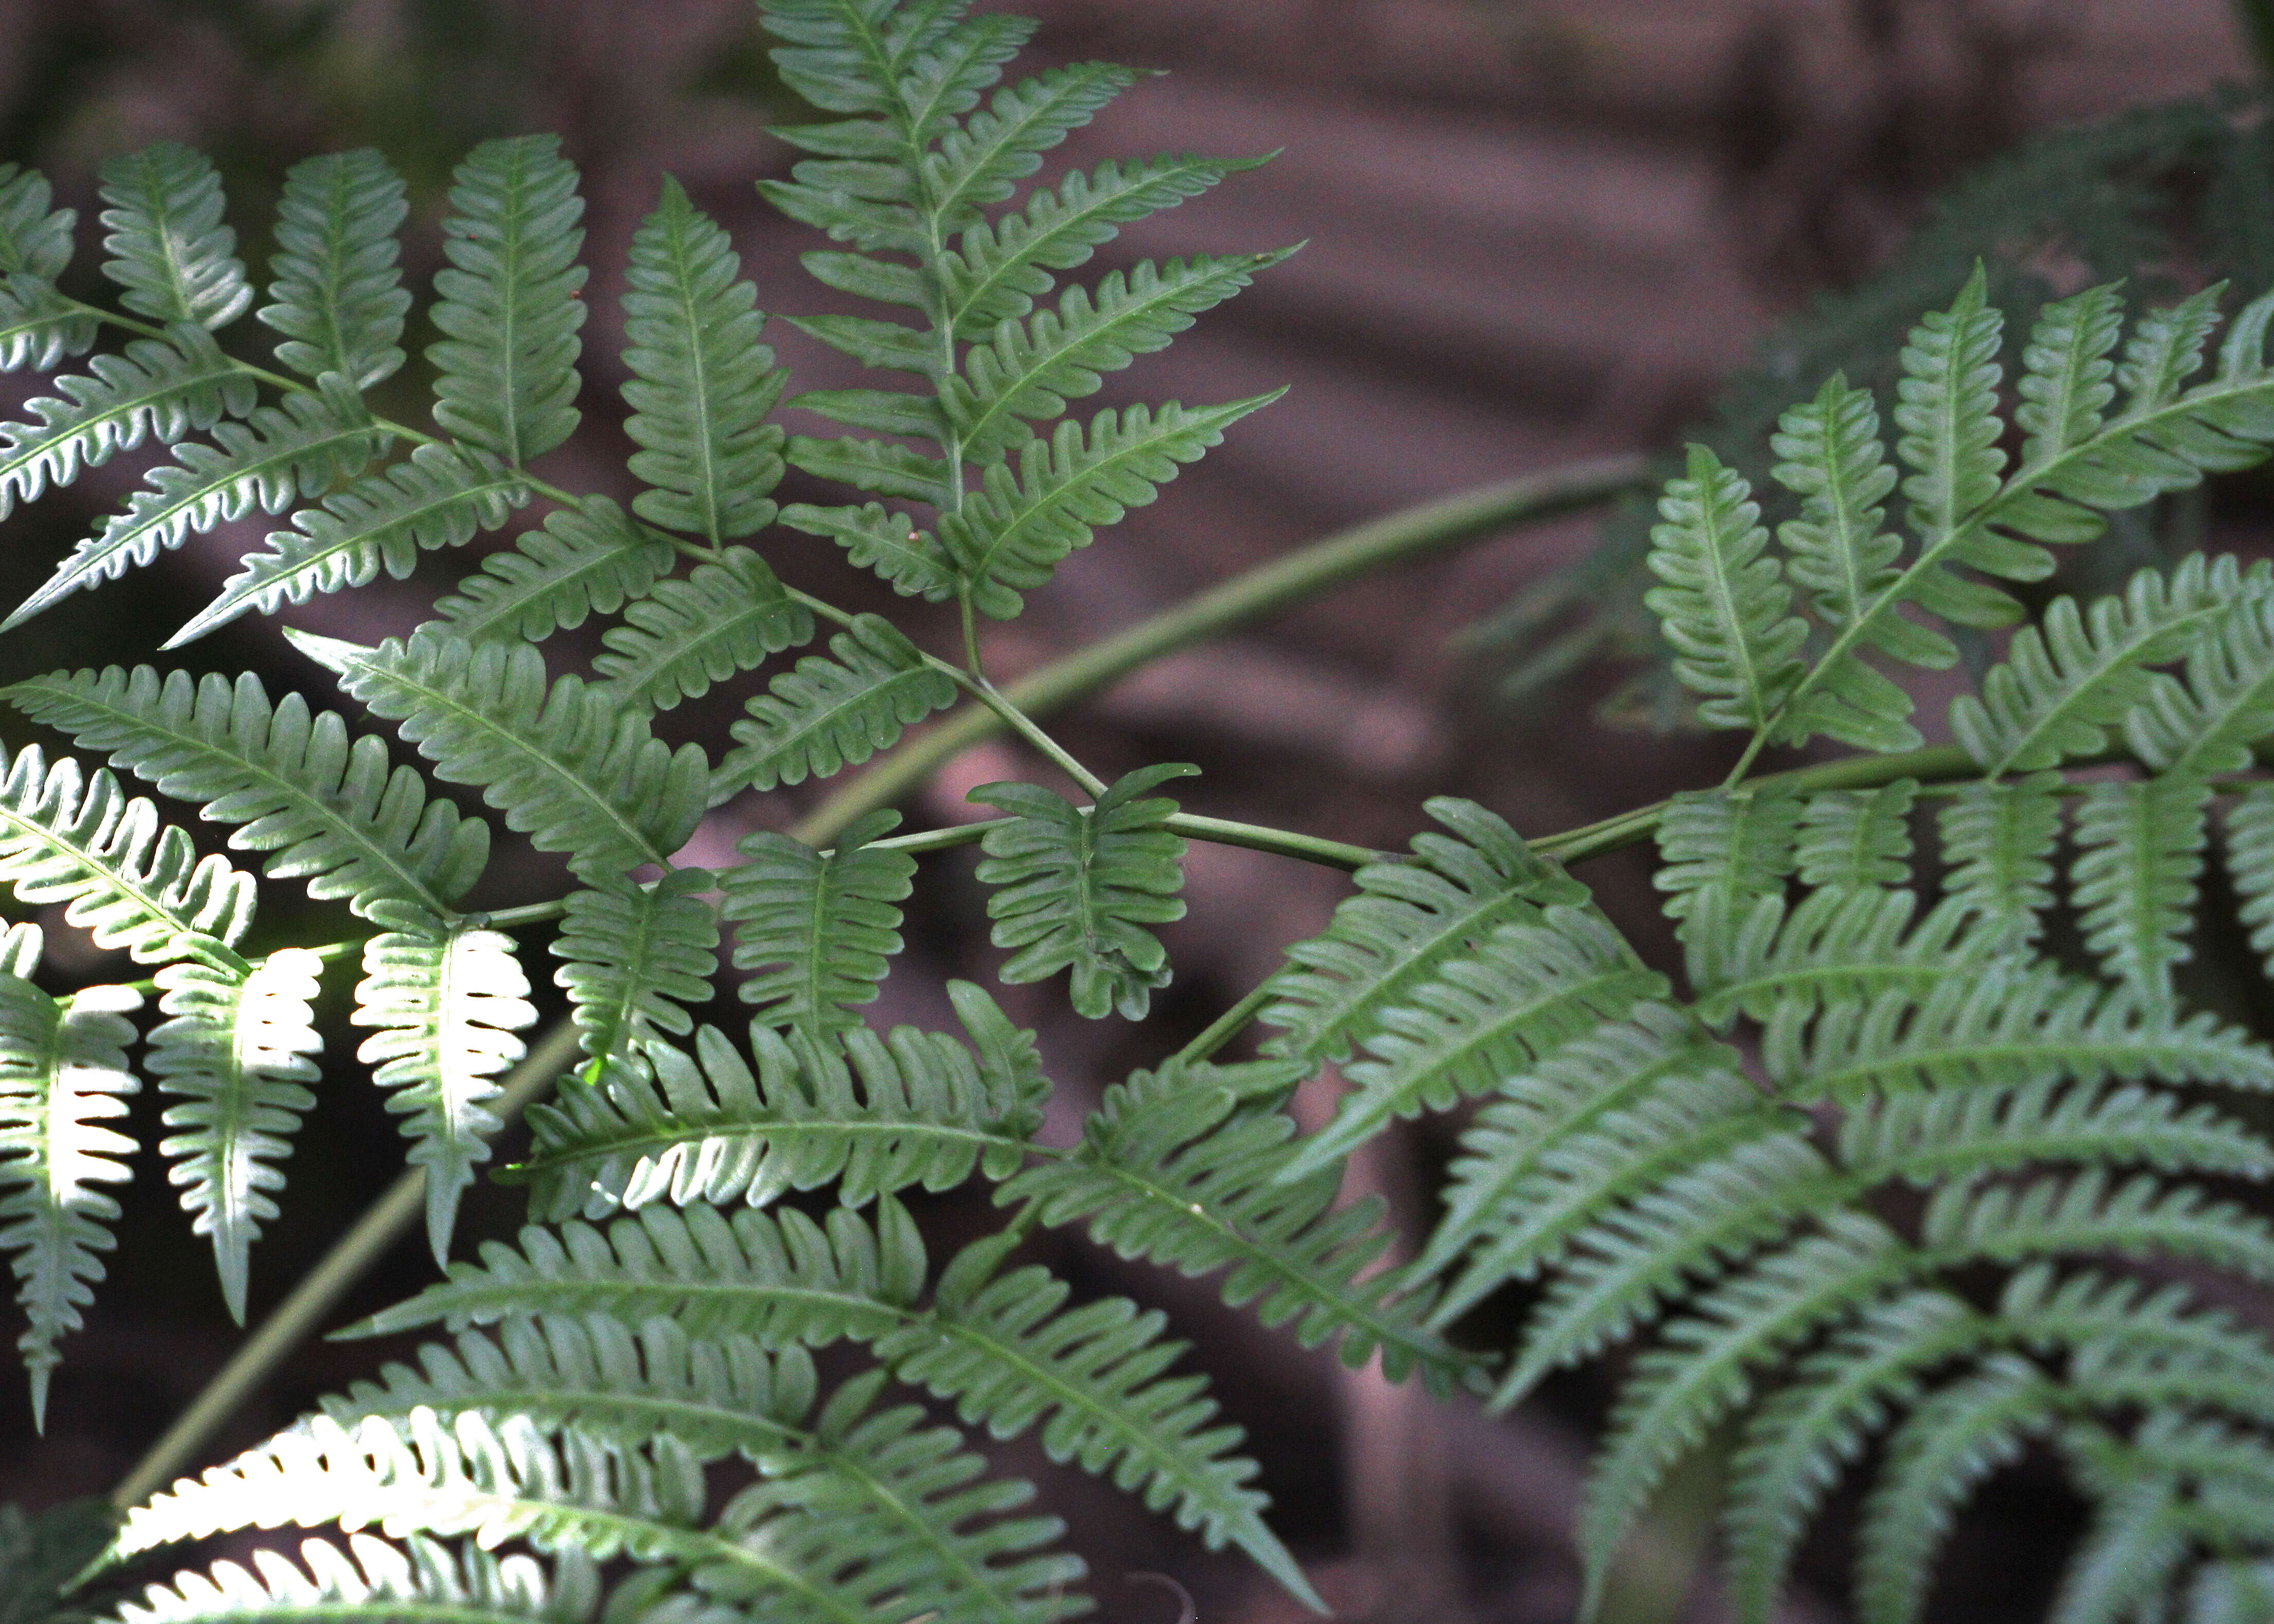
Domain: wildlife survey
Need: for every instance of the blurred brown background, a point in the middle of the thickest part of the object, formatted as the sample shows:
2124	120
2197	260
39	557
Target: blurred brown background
1537	232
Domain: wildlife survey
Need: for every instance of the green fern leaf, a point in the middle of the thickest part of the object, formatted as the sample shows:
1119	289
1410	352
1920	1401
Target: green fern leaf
509	309
1947	412
818	928
63	1074
38	326
129	880
1077	886
428	1581
2084	1213
446	1005
997	271
1031	370
1796	1444
874	465
332	809
999	1349
170	250
278	455
35	240
918	67
1953	1440
162	387
1012	534
2138	1539
1174	1168
1528	989
581	563
439	498
1998	840
635	959
2063	387
702	382
924	1112
685	634
238	1050
981	162
1850	838
830	714
2070	677
2250	865
887	543
1723	603
1836	948
2139	854
573	772
336	291
1702	1370
2208	724
1835	462
1406	921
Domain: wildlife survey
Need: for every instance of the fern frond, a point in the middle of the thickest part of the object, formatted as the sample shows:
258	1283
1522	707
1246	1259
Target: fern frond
2138	1538
1721	856
239	1050
901	1496
1527	989
63	1074
1836	947
684	634
1702	1370
583	562
331	809
1177	1168
1077	886
446	1004
38	326
2088	1213
2073	674
440	497
1992	1020
2250	864
429	1583
2128	1343
874	539
1998	841
1947	410
1957	1438
1031	370
335	292
702	382
1723	603
171	252
508	308
830	714
981	162
2140	853
1010	537
1796	1443
573	772
276	456
924	1112
636	958
1852	838
998	270
130	881
161	387
2207	725
818	928
879	466
916	67
1004	1351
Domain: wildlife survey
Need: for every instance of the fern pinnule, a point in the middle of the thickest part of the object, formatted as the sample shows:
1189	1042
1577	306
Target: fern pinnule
576	774
1077	886
447	1002
376	1581
126	878
907	1107
585	561
38	326
239	1050
2133	883
1998	840
2088	1212
336	291
636	958
508	304
908	558
62	1075
331	809
2207	726
830	714
686	633
2250	864
1178	1167
1853	840
820	928
439	497
171	252
1835	946
1527	989
1403	922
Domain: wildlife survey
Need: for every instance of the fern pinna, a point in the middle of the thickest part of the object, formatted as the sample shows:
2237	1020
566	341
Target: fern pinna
1891	1186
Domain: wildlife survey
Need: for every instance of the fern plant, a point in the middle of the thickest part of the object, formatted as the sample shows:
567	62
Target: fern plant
1890	1182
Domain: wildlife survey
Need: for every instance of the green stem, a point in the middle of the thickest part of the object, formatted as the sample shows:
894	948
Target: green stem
1019	723
1414	533
384	1223
1225	1026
